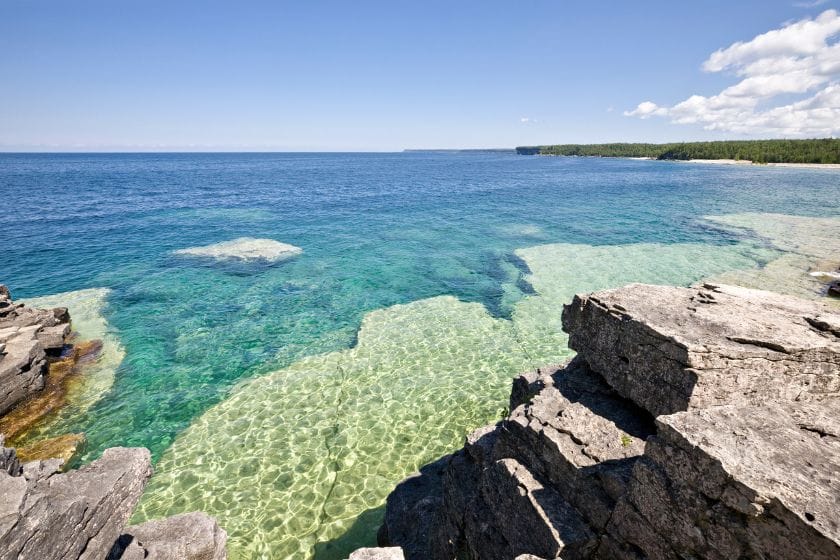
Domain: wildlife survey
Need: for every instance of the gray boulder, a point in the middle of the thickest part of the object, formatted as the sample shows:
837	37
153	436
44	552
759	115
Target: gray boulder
27	337
47	515
189	536
388	553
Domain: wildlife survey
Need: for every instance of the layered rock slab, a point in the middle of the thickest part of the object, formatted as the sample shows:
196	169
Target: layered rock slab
670	349
27	335
542	482
188	536
577	433
79	514
735	482
747	470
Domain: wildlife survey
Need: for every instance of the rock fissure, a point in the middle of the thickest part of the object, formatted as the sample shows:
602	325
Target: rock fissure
725	472
333	462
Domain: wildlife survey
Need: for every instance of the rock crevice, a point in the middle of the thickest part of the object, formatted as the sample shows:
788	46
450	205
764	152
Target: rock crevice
27	337
79	515
693	423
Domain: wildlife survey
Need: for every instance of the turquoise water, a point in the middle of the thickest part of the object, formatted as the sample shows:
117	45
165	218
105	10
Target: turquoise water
287	398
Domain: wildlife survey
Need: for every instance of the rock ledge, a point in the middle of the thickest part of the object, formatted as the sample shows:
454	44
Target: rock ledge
693	423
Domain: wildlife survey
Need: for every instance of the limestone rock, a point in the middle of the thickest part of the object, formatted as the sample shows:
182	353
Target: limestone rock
578	434
189	536
738	482
744	464
52	338
27	336
389	553
537	483
532	517
79	514
669	349
244	249
9	462
61	314
22	368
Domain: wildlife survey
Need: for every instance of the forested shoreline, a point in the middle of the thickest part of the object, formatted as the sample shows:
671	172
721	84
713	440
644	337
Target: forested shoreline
823	150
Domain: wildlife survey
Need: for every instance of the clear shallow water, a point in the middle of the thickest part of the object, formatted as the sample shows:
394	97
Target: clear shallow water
298	459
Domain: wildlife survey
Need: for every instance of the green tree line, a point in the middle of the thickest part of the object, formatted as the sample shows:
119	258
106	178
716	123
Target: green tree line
819	150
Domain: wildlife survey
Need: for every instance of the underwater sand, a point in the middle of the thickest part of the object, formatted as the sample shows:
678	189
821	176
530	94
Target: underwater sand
88	322
290	461
287	398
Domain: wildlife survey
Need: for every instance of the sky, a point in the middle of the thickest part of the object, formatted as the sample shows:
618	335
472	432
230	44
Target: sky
149	75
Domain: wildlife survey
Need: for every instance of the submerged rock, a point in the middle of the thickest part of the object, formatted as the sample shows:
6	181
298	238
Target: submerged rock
64	447
740	463
810	249
244	249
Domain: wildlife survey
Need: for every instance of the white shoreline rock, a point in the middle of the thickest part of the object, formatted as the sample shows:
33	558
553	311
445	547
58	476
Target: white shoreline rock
825	275
246	249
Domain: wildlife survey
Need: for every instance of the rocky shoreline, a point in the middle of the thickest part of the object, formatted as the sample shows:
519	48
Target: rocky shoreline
27	337
49	514
693	423
40	356
81	514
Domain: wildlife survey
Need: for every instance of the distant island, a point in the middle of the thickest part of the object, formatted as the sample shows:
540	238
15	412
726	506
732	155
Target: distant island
812	151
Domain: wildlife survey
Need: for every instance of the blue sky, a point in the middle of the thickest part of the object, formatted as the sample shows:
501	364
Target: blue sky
152	75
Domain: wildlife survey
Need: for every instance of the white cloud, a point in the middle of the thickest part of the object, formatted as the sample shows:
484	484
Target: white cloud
646	109
812	4
801	58
527	120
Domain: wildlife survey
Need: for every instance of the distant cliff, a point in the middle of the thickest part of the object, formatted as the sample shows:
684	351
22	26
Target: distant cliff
693	423
825	150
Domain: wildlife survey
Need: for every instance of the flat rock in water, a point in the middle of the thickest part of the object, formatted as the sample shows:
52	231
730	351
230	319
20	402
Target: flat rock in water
245	249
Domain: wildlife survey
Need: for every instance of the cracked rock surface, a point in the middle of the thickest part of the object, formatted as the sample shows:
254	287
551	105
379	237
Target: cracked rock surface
188	536
45	514
80	515
27	335
669	349
694	423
